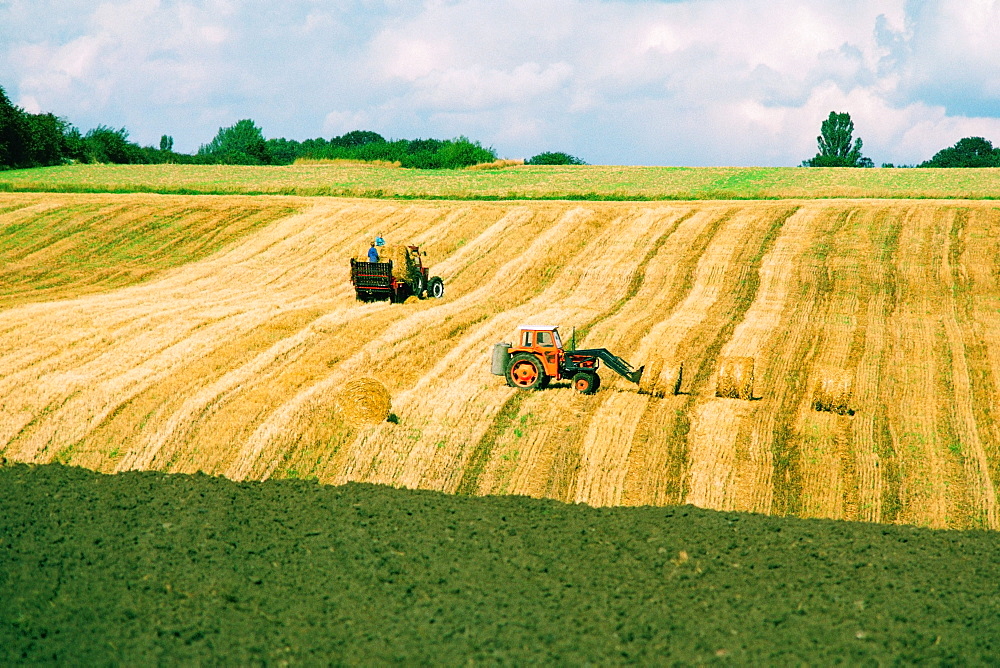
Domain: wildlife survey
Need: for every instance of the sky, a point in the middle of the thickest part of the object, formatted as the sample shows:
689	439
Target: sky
613	82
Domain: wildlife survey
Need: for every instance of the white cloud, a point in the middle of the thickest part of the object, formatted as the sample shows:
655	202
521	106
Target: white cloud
412	59
337	123
947	54
31	105
685	82
479	88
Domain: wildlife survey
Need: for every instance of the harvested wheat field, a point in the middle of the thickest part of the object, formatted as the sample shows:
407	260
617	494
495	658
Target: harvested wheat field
222	343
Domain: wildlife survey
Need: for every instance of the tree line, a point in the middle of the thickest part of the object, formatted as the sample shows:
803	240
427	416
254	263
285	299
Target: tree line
370	146
838	148
40	140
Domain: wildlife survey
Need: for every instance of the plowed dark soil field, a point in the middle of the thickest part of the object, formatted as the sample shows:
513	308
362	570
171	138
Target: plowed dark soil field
146	567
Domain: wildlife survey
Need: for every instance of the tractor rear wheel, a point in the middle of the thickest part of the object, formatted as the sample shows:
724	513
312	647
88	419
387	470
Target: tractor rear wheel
525	371
586	382
420	287
435	288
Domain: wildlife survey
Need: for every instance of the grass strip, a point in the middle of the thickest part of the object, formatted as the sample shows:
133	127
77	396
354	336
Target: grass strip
573	183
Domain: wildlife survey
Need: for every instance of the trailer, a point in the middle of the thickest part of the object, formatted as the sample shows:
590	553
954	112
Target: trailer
395	279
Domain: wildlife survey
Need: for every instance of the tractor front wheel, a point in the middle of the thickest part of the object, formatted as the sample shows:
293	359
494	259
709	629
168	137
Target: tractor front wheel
526	372
586	383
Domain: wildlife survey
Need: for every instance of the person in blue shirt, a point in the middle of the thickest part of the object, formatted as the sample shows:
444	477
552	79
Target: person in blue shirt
372	254
379	241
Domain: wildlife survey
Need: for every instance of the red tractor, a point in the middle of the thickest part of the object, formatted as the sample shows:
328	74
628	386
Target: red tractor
539	357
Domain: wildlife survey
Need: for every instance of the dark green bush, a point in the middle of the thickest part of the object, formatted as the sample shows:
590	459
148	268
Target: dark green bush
556	158
967	152
239	144
107	145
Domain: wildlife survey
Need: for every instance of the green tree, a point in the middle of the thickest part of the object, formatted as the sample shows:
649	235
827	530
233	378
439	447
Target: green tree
554	158
15	134
75	147
107	145
835	147
46	140
368	146
967	152
283	151
240	144
34	140
387	151
167	144
463	152
11	132
357	138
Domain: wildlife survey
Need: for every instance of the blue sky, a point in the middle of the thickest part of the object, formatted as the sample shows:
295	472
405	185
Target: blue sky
689	82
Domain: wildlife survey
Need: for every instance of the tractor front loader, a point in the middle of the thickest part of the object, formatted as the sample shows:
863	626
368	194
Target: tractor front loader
539	357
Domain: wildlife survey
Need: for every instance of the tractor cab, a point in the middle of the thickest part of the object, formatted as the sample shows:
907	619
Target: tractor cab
537	357
537	339
543	342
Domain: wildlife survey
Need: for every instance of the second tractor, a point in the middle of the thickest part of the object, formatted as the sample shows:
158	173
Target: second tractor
539	358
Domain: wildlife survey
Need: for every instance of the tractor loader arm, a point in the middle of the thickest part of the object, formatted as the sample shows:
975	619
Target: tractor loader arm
615	363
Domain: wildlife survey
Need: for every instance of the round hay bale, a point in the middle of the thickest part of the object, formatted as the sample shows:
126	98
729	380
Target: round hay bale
833	391
662	378
364	401
650	381
670	379
735	378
